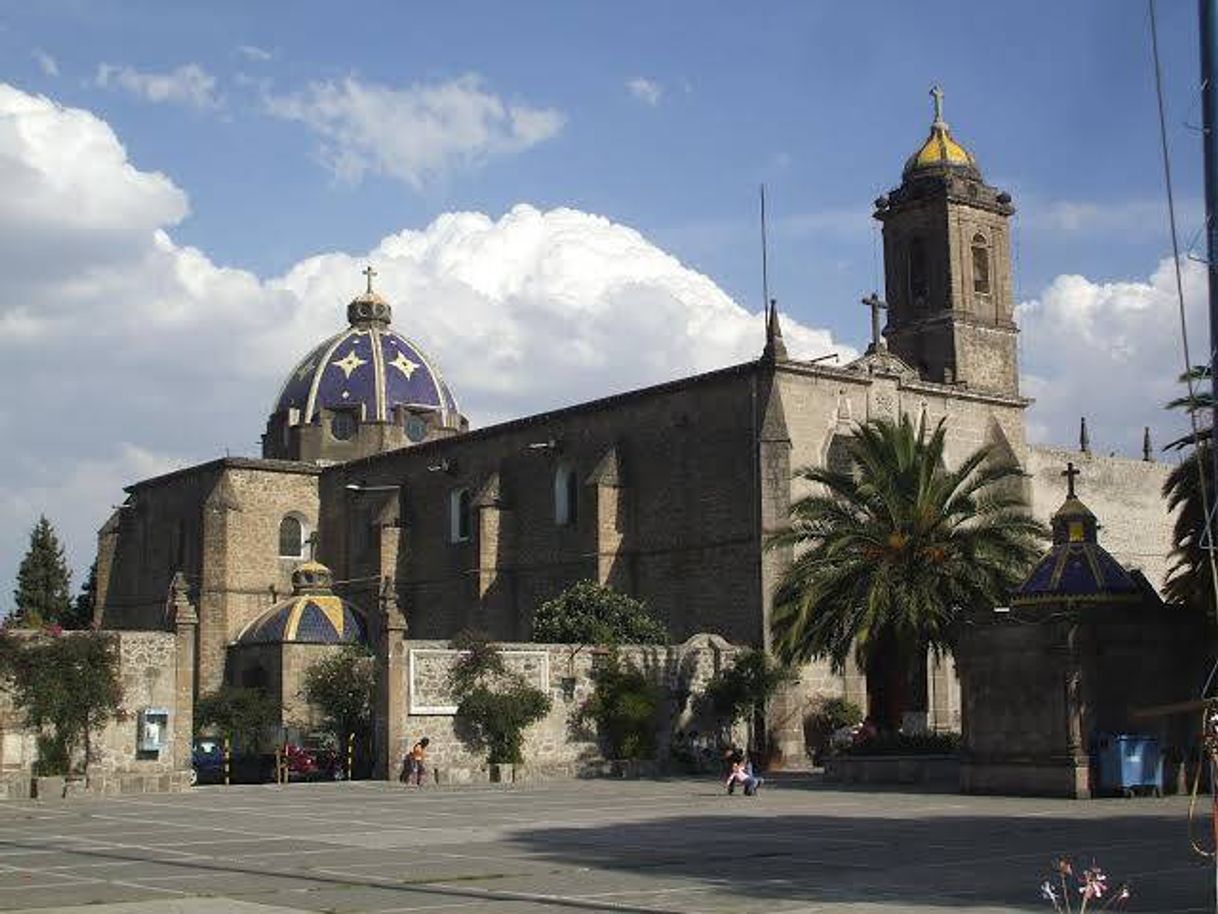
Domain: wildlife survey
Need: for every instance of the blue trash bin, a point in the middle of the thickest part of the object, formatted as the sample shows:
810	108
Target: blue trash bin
1128	762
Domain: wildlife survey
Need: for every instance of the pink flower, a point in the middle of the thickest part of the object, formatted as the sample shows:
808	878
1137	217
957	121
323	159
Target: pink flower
54	629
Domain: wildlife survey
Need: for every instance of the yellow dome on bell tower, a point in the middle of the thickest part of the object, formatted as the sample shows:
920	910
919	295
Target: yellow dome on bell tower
940	149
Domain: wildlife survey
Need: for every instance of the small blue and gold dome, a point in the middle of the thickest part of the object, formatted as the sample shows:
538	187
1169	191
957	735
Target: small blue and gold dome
368	369
312	615
1077	568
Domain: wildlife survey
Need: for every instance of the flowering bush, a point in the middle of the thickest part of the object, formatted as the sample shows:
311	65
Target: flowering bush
1091	885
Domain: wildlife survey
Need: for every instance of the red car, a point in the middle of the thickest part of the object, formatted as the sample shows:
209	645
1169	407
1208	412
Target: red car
311	761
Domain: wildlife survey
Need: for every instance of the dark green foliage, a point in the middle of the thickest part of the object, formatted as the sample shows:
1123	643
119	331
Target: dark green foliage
1189	580
908	744
623	705
740	692
42	596
243	715
80	615
342	687
68	687
737	692
589	613
890	554
824	718
494	706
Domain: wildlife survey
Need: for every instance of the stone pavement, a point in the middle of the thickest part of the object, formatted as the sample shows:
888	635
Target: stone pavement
673	846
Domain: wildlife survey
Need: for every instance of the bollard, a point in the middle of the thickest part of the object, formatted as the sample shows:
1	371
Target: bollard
278	766
228	753
350	753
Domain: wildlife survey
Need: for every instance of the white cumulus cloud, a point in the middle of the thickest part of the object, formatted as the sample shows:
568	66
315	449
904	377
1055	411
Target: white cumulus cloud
188	84
1110	352
645	90
134	353
414	133
254	53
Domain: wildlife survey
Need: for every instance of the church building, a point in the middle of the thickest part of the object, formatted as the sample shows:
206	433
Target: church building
668	493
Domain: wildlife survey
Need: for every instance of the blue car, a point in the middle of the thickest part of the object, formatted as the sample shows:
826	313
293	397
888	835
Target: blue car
207	758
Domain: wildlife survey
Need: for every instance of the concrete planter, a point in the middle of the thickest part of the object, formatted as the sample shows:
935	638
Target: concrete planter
936	770
50	788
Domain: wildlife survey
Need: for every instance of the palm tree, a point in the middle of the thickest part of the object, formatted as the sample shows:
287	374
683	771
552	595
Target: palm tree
1189	580
889	554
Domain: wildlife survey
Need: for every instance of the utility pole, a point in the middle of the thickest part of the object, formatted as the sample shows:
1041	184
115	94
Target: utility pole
1208	16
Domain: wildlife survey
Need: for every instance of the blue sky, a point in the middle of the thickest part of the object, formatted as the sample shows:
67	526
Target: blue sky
213	176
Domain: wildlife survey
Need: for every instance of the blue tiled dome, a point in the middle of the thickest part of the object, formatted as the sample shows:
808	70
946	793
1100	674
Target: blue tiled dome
1077	568
370	367
312	615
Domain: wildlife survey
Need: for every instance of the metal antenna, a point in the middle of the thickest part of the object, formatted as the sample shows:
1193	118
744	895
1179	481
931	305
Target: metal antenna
765	266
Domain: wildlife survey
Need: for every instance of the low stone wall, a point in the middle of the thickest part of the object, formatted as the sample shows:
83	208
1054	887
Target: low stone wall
935	770
120	765
555	746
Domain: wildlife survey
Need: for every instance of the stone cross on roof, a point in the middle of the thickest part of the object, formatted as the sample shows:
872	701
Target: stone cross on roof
369	272
1070	472
937	94
875	303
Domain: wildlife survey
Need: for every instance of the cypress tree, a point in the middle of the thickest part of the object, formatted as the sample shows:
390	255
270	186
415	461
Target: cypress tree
80	616
42	595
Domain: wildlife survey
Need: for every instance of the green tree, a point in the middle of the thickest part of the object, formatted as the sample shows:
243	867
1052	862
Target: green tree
42	596
68	687
1190	580
889	554
494	705
80	616
242	714
590	613
741	692
623	705
342	686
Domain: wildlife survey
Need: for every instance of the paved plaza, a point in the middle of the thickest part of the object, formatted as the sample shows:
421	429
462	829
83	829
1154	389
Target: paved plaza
641	846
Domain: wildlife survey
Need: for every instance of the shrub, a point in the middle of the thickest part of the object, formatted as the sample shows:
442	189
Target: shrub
244	715
341	687
908	744
494	705
623	706
741	691
590	613
824	718
68	687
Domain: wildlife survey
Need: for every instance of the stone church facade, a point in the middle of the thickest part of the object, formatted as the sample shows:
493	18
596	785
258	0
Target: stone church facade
668	493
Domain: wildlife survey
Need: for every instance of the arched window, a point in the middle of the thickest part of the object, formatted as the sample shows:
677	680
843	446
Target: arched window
566	495
291	537
981	265
919	281
458	515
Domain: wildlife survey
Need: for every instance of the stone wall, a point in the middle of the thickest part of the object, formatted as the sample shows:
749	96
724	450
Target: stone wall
564	672
666	510
219	524
148	672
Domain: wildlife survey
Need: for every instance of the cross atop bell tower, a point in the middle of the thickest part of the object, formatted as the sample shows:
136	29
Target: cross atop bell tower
947	267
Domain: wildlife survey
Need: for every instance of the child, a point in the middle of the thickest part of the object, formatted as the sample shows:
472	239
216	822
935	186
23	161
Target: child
742	773
414	762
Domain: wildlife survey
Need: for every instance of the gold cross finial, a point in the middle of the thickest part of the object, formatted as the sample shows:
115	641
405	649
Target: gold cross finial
937	94
1070	472
369	272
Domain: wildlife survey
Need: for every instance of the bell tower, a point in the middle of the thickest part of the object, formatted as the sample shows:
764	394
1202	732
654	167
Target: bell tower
947	267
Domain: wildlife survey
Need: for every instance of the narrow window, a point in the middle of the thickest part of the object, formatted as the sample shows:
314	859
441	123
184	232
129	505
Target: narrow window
918	280
566	496
291	537
458	515
981	266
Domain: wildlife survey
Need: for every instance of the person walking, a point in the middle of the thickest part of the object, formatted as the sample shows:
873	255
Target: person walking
416	768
